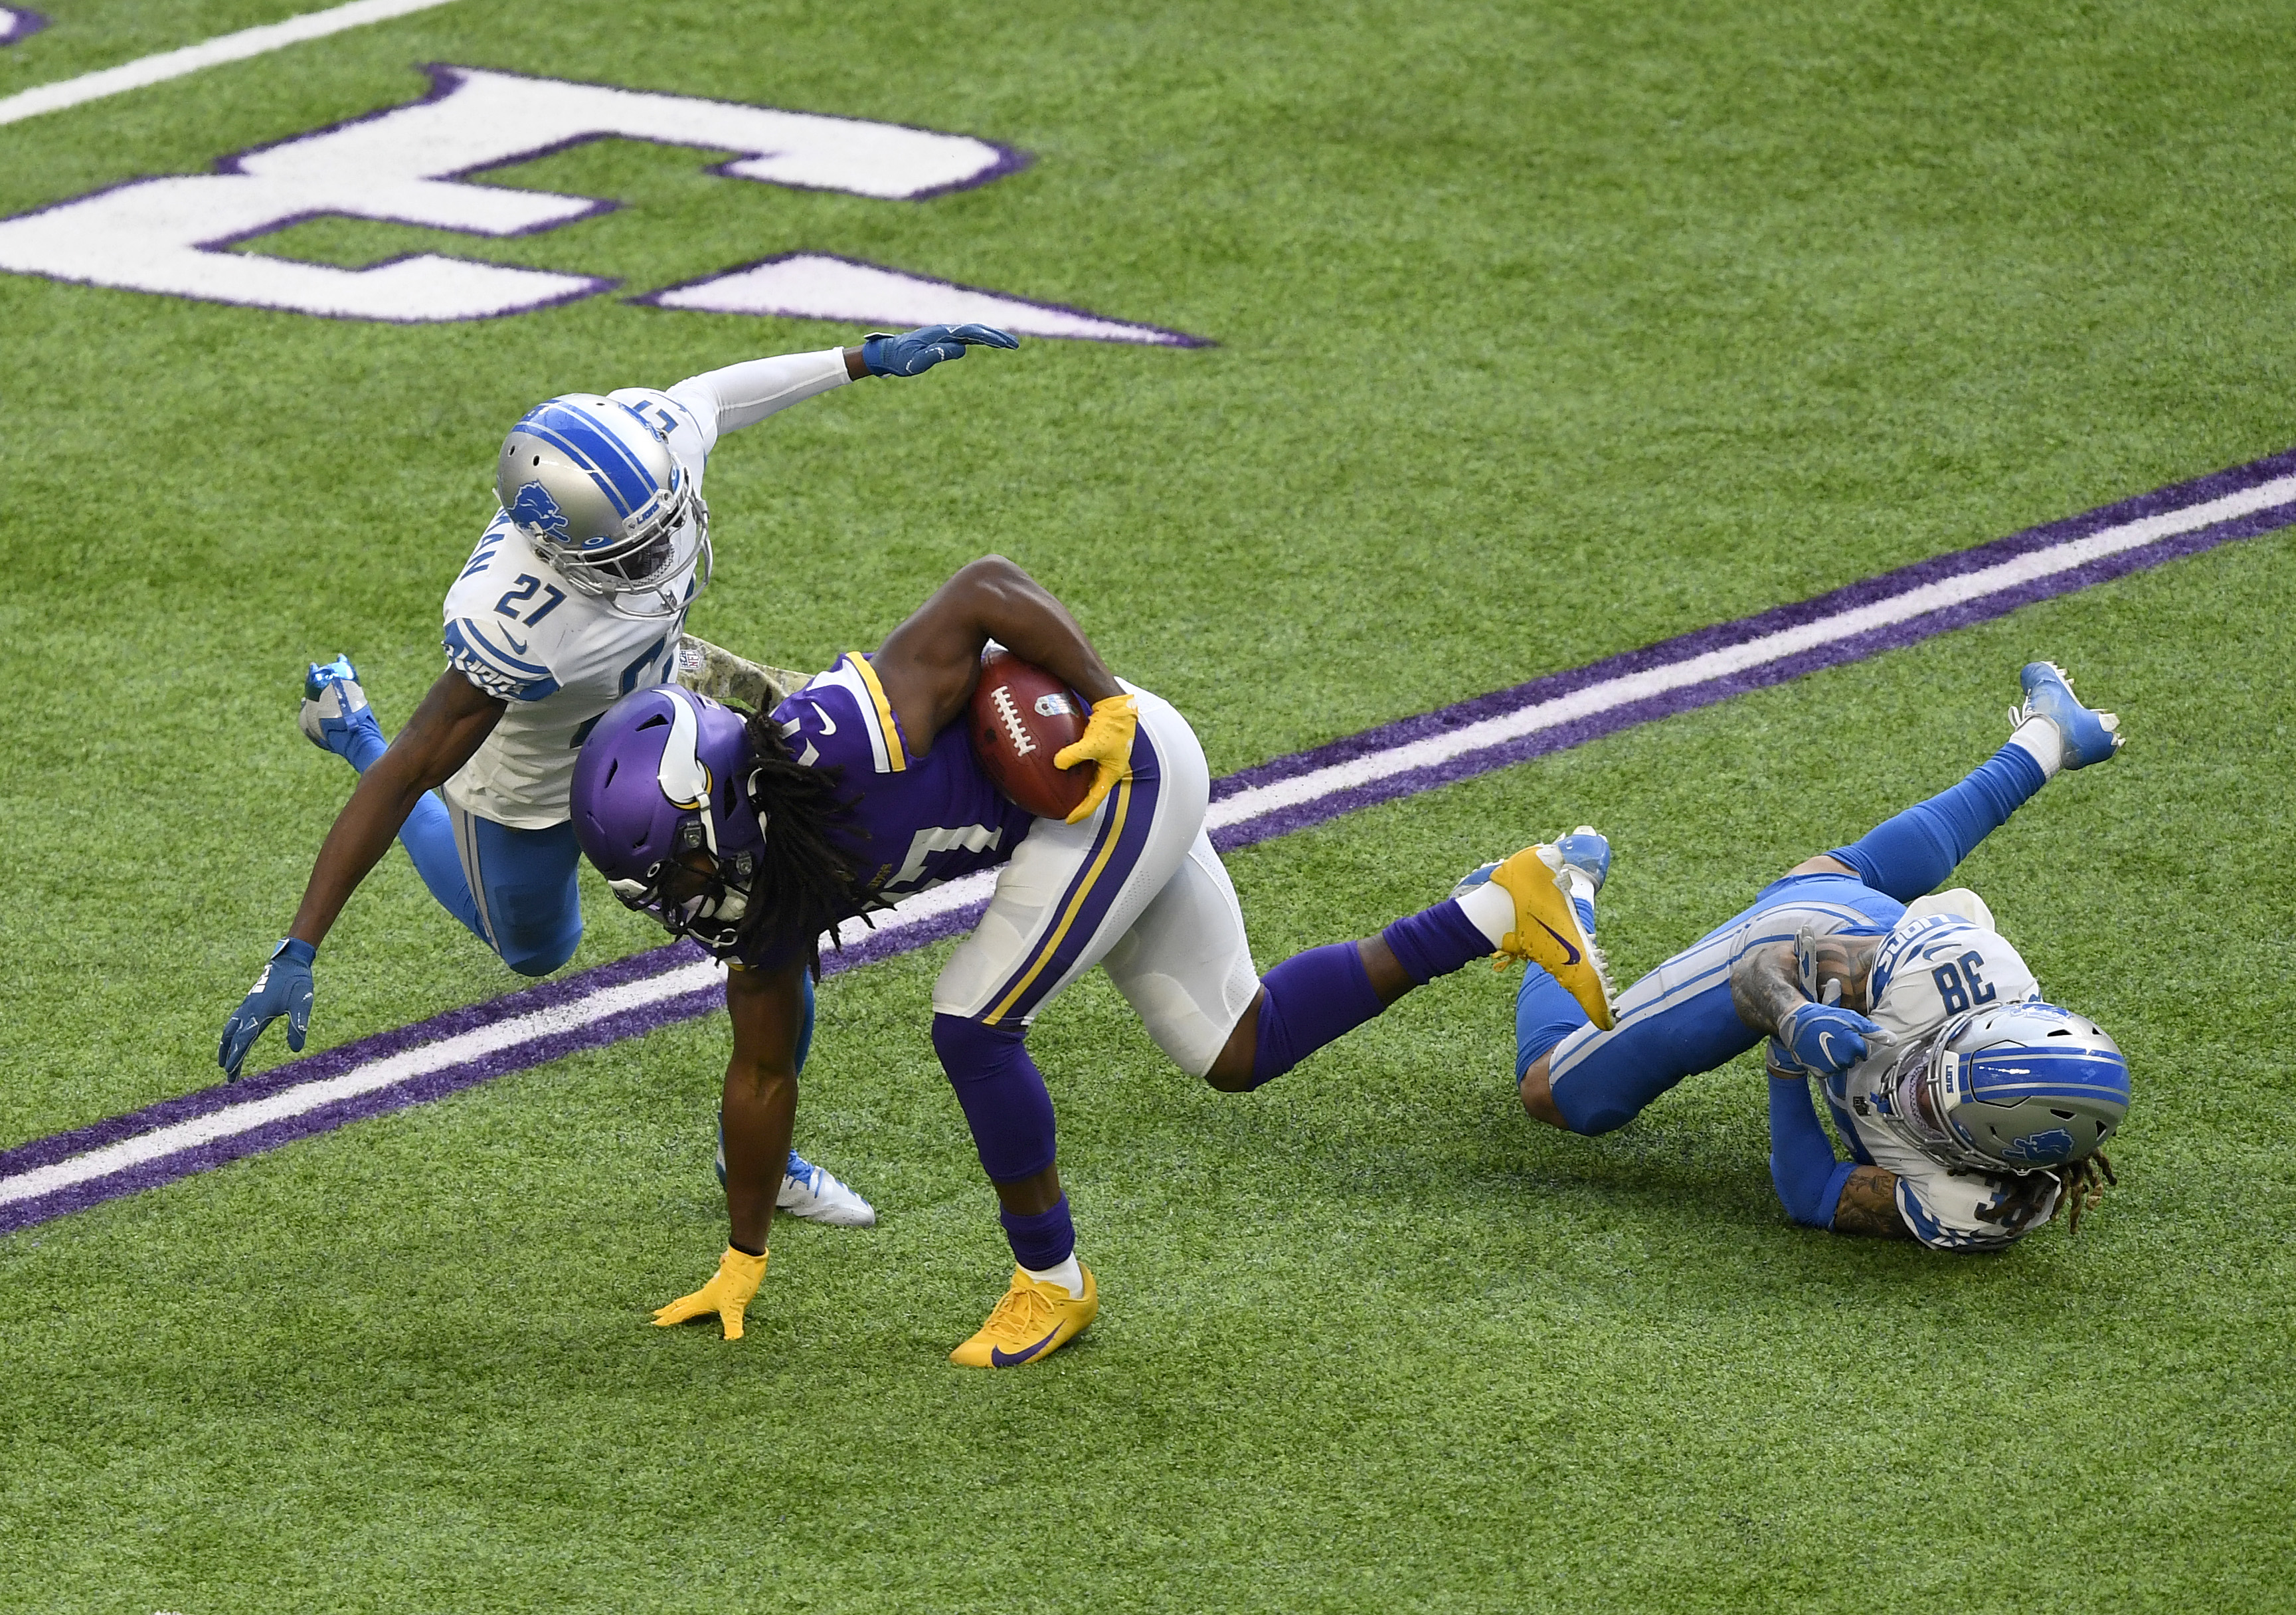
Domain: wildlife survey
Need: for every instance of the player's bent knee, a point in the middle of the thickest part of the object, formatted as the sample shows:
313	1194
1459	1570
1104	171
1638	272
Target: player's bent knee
1537	1098
1230	1071
543	961
1601	1119
539	956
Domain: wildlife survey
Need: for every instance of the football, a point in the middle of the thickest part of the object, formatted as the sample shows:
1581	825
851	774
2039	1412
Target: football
1021	717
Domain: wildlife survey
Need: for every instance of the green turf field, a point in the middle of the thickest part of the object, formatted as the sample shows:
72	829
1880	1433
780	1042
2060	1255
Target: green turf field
1543	331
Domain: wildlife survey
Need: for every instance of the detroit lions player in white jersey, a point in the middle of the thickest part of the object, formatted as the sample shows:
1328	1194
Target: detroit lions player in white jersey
576	595
1973	1109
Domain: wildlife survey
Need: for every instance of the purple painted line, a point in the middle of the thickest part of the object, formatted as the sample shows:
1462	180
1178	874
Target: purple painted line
1563	737
344	1057
901	937
416	1090
17	25
1387	737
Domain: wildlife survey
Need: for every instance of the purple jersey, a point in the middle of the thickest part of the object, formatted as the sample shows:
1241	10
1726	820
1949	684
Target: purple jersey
916	821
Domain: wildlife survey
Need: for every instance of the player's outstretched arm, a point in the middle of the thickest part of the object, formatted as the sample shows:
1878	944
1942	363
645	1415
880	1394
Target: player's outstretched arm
453	720
1817	1189
741	395
767	1008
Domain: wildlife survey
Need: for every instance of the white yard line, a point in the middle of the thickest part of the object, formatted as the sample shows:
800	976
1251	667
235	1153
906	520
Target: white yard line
208	52
1246	805
1242	808
382	1072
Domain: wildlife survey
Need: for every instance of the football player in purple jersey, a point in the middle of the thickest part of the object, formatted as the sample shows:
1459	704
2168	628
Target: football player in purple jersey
758	835
1973	1109
576	594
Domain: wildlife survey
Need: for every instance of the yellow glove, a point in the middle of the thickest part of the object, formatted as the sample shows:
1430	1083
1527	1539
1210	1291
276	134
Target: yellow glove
1107	746
727	1295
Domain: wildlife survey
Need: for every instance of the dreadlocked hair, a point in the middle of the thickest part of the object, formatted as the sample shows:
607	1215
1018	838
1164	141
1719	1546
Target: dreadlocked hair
2083	1184
802	886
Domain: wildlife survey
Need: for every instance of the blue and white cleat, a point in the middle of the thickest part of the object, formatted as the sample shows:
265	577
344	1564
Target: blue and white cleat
807	1191
1588	851
1479	875
2089	735
334	713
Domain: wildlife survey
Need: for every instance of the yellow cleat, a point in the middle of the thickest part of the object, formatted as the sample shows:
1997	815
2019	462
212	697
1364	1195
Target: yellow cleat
1548	933
1033	1320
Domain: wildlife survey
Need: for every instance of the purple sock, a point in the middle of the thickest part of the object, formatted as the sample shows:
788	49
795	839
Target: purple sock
1312	999
1046	1239
1003	1094
1436	942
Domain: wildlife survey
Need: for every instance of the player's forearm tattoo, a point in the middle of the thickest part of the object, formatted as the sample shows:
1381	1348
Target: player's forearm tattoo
1767	983
1868	1206
1847	960
1764	986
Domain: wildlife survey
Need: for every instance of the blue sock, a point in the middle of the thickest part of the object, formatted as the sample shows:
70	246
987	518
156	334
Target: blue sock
1312	999
366	744
1544	1014
1003	1094
428	837
1912	853
1435	941
1045	1239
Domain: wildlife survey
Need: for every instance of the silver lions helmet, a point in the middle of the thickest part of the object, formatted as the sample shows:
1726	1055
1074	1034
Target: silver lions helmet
2024	1085
595	489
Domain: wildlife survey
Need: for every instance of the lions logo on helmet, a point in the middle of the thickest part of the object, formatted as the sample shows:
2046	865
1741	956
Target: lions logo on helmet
535	511
596	492
2026	1085
2040	1148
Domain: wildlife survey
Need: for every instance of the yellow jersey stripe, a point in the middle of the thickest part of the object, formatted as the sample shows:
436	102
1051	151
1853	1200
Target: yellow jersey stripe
897	754
1051	945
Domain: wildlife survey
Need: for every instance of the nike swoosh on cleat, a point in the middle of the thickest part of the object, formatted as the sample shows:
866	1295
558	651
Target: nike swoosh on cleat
998	1357
1565	940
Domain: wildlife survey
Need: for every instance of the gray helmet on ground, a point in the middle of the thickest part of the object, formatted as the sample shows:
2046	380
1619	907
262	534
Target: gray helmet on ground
595	489
2025	1085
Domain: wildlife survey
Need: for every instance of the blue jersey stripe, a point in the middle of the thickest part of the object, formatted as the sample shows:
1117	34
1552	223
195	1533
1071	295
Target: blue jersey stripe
494	653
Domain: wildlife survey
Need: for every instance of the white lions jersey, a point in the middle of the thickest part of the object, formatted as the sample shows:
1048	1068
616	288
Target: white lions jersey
1943	958
561	657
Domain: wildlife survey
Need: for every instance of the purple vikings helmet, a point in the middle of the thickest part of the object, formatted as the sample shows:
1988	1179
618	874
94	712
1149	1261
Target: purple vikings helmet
662	776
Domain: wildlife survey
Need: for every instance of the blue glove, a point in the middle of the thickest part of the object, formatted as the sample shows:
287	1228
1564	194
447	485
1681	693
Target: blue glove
921	350
1825	1039
285	988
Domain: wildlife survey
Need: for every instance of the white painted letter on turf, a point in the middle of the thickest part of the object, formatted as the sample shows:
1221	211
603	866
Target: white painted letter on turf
820	285
407	165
